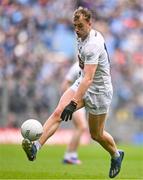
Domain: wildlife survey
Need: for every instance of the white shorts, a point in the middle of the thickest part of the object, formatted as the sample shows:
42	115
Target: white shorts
98	103
95	103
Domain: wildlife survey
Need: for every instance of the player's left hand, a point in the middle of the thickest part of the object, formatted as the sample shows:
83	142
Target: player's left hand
68	111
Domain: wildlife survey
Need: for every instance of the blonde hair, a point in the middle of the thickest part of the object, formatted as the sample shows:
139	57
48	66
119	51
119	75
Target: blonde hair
82	12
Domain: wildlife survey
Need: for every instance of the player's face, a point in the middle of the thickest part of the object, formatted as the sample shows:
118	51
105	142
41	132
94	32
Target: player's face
82	27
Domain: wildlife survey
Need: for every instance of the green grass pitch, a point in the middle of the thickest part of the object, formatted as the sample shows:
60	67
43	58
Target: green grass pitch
96	162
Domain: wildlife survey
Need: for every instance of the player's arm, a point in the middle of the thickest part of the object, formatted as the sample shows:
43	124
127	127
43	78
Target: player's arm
89	71
91	55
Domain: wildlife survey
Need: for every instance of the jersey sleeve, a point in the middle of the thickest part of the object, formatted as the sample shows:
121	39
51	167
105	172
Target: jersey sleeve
91	54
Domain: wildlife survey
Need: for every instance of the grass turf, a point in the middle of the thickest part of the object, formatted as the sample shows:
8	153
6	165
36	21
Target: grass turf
96	162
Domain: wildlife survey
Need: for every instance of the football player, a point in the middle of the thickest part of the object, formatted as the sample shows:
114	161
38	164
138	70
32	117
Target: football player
92	90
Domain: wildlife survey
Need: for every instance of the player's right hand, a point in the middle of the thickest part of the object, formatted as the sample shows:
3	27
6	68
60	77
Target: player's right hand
68	111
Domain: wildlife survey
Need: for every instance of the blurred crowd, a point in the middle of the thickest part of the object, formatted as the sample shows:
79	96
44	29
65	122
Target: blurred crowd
37	47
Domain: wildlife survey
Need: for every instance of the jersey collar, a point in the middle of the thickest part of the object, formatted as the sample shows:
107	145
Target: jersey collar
92	31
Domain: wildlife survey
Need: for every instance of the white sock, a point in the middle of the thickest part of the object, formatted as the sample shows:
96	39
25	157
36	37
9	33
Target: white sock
69	155
74	154
116	155
38	145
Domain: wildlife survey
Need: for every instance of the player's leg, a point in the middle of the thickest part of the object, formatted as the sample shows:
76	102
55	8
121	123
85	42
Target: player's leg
80	123
96	126
79	120
54	120
49	127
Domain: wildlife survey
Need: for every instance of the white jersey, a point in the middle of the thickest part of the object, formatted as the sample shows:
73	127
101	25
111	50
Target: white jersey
73	72
93	51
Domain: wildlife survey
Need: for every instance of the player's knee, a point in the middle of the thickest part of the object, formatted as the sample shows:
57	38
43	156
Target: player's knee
97	137
81	127
57	113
